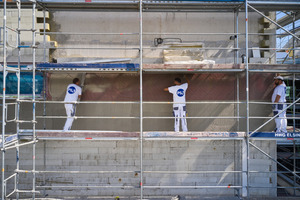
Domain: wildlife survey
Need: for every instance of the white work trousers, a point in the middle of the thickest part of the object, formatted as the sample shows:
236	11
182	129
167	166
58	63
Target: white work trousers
280	121
179	112
70	110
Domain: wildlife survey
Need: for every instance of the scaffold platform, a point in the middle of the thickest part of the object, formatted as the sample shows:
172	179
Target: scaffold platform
161	68
159	5
151	135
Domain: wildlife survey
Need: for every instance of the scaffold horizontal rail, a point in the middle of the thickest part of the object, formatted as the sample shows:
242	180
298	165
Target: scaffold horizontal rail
155	117
72	172
202	117
204	172
79	102
87	186
191	172
86	117
192	187
144	102
31	30
27	191
156	33
12	69
26	121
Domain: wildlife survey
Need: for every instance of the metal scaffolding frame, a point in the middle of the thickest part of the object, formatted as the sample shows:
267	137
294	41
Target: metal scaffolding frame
12	141
16	137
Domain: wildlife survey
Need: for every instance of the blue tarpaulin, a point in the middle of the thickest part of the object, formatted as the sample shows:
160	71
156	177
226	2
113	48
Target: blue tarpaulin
26	83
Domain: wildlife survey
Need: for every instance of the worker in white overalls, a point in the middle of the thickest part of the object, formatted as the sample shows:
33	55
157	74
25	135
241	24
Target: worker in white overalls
179	107
279	98
72	95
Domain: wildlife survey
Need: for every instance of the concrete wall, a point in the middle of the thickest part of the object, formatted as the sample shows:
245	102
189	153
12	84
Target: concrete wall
158	156
26	36
127	22
159	23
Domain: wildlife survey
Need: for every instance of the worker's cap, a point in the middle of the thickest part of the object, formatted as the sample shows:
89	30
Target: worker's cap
278	78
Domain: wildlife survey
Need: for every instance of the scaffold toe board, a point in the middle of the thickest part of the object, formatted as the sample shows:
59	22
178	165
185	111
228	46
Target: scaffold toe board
167	68
85	134
229	67
194	135
86	67
97	135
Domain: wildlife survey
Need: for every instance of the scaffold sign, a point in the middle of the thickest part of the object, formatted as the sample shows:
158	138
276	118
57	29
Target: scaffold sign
277	135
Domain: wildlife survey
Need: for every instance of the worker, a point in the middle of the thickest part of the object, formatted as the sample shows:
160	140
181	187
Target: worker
278	97
72	95
179	107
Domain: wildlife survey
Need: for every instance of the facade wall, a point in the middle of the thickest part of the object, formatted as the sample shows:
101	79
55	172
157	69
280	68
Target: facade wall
203	88
158	155
26	24
154	26
166	156
74	47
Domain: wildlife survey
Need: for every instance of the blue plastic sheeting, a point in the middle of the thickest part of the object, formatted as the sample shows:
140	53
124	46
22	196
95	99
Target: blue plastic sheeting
276	135
126	66
26	83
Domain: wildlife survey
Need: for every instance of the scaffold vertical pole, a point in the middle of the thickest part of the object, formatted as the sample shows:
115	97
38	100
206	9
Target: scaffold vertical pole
236	62
3	101
18	98
236	39
33	98
294	32
44	96
238	100
294	106
245	154
44	73
294	99
44	36
141	96
294	166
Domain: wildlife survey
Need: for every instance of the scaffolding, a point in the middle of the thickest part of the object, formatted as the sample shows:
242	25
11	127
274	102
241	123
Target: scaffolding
246	137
